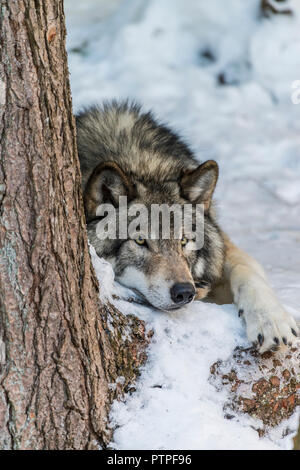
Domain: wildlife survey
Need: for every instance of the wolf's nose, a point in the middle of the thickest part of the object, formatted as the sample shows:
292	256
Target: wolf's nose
182	293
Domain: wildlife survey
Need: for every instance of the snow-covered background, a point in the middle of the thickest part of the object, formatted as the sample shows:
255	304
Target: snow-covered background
172	56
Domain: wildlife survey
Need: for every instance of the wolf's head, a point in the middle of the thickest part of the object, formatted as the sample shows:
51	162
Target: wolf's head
164	272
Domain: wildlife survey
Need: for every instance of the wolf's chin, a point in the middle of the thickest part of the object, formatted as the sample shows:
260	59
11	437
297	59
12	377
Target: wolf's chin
171	308
162	308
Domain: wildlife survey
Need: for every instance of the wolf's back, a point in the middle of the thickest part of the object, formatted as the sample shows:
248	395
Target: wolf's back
122	133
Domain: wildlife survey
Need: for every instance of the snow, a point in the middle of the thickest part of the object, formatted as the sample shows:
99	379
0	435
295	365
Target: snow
168	55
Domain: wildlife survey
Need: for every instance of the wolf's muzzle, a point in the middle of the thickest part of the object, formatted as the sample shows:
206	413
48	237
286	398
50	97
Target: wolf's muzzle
183	293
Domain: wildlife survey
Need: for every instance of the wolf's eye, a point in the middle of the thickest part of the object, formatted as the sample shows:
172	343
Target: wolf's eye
184	241
140	241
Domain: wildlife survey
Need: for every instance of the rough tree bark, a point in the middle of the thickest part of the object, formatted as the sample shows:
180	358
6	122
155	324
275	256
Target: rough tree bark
59	348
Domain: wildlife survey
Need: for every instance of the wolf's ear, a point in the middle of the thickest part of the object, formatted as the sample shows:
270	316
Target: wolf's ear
198	185
105	185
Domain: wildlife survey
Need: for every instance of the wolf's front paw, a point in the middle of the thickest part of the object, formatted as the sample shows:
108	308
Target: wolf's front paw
268	324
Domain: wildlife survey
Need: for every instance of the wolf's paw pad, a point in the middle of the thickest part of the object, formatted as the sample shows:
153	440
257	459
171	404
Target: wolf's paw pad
270	329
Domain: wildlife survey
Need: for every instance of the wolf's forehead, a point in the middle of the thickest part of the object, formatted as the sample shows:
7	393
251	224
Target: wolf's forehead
162	210
155	192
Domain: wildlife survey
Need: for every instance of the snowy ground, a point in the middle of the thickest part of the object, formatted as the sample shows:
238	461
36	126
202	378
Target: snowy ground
167	54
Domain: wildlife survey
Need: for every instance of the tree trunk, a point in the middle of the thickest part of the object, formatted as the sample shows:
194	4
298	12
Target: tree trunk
59	348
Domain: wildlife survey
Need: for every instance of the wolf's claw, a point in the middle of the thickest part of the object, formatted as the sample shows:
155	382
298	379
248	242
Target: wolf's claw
260	339
268	324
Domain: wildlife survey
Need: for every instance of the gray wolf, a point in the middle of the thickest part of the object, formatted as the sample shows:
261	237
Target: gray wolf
126	152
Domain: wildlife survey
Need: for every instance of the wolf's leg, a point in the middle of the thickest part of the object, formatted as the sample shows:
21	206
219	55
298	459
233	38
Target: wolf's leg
267	323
